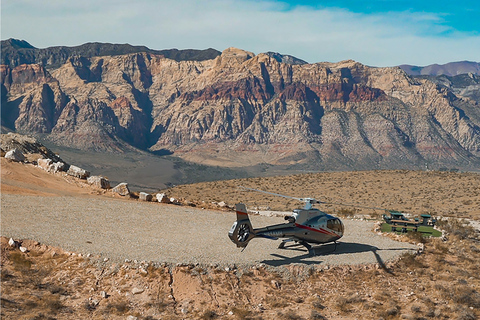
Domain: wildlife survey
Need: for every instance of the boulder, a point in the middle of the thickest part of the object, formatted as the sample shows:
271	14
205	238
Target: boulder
15	155
162	198
99	182
78	172
122	189
222	204
45	164
57	167
145	196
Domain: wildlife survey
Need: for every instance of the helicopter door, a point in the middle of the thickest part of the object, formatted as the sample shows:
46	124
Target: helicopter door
335	225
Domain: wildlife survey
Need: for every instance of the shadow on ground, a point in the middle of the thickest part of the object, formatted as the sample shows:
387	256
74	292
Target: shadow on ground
327	250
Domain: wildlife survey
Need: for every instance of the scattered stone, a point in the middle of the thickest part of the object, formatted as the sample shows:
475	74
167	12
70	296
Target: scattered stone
15	155
275	284
23	249
162	198
57	167
45	164
105	259
143	271
145	196
137	290
173	200
12	243
93	302
103	294
122	189
230	313
222	204
78	172
99	182
132	318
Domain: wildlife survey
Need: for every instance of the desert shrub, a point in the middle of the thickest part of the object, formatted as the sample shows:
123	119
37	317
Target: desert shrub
119	307
289	315
52	302
409	260
315	315
209	314
416	236
457	228
242	313
20	262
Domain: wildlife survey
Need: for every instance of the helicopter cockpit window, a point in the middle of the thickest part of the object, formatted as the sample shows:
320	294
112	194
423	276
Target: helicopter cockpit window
335	225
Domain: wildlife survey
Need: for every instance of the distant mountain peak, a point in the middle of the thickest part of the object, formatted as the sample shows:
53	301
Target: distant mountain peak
448	69
285	58
18	44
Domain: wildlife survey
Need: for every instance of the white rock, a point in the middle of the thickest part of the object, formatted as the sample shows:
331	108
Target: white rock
222	204
103	294
15	155
162	198
44	164
78	172
12	242
122	189
99	182
57	167
145	196
137	290
132	318
23	249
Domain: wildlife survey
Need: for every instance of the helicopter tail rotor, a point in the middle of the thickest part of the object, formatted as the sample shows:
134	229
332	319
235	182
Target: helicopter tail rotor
242	230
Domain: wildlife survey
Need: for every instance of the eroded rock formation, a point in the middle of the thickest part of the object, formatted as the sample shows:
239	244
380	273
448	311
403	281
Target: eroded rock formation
243	109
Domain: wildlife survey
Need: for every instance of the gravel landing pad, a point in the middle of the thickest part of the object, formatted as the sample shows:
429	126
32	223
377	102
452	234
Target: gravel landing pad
119	230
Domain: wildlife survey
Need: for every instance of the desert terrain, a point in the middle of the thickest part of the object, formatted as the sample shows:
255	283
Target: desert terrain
80	252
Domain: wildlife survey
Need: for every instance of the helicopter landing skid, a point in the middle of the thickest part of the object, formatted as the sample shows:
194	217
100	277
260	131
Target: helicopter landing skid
282	244
311	251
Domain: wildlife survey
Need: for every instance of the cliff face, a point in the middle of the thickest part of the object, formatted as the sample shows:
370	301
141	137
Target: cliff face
241	109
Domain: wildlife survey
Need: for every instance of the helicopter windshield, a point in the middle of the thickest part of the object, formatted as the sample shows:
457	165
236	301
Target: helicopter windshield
335	225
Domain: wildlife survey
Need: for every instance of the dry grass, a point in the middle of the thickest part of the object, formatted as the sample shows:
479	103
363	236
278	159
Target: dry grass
416	192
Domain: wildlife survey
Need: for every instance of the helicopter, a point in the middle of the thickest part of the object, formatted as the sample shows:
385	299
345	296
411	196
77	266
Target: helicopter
305	226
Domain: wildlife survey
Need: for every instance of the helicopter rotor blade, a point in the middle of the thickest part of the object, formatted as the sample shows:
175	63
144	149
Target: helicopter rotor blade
354	205
272	193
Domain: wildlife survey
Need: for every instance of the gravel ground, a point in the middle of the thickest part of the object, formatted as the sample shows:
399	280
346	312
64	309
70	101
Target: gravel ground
120	229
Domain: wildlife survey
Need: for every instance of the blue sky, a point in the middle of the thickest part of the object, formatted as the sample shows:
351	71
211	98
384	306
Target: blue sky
377	32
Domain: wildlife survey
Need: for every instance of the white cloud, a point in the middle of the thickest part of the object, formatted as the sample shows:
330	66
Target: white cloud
310	34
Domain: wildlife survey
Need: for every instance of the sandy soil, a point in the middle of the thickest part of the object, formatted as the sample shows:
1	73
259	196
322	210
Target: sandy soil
27	179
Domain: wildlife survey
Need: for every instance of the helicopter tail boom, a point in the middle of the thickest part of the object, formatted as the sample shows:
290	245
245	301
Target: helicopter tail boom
242	230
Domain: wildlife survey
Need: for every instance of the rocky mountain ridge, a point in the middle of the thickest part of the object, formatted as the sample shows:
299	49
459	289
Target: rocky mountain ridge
447	69
16	52
243	109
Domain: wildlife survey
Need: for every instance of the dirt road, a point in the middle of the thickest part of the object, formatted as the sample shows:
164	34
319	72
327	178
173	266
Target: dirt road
118	230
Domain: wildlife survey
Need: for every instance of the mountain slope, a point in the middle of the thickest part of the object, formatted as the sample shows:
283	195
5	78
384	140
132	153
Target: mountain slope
244	109
448	69
16	52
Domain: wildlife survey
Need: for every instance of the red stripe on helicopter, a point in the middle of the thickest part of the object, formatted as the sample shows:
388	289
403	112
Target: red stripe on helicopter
316	230
240	212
